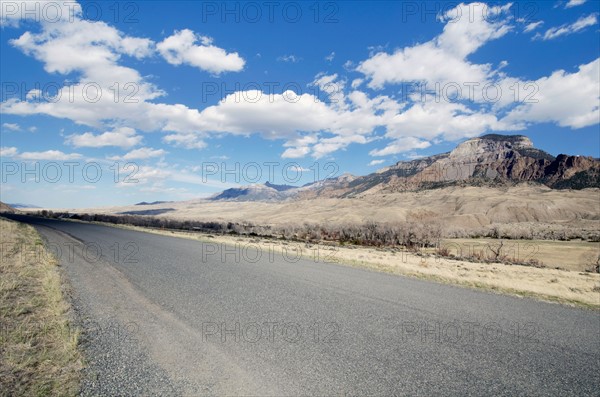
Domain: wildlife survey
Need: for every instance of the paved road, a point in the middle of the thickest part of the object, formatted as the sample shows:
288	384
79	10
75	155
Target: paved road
171	316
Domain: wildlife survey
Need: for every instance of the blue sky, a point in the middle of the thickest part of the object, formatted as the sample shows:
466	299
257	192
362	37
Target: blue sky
109	103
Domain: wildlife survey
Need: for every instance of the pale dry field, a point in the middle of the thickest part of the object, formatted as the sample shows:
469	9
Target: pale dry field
455	207
567	255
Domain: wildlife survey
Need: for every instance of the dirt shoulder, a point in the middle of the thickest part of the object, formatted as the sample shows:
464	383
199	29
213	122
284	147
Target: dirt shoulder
39	353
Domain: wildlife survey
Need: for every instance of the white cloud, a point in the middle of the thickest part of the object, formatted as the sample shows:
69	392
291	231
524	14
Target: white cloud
124	137
296	152
141	154
568	29
332	87
34	94
326	146
92	51
400	145
32	129
532	26
8	151
376	162
289	116
186	140
11	126
160	189
91	48
181	48
568	99
299	147
574	3
442	59
429	119
330	57
356	83
48	155
289	58
413	156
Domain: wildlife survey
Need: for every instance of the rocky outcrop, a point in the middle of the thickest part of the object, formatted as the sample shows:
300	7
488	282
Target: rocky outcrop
487	160
573	172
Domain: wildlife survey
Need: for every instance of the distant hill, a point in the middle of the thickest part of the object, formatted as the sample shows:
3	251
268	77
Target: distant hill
148	212
6	208
280	188
489	160
266	192
152	203
20	205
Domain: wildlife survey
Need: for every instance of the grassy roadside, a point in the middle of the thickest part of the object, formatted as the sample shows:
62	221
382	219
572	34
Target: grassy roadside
38	345
569	287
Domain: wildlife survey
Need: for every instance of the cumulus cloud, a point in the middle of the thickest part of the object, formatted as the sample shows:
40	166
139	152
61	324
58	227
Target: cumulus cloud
8	151
290	116
141	154
430	118
49	155
87	47
567	99
185	140
296	152
12	152
308	125
34	94
124	137
400	145
182	48
443	59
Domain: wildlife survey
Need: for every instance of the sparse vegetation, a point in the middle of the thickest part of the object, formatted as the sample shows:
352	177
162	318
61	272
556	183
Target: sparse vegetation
38	345
412	235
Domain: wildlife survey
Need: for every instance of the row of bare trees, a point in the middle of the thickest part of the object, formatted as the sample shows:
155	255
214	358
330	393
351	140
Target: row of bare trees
412	235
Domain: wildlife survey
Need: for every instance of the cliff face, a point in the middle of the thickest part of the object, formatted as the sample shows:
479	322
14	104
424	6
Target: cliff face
495	157
573	172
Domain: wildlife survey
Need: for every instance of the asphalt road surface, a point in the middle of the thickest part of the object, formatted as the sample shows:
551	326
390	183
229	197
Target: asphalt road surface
170	316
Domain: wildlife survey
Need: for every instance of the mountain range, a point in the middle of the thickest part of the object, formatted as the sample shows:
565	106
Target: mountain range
489	160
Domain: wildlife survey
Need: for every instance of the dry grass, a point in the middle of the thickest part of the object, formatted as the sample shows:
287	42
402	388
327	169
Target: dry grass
570	255
38	345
